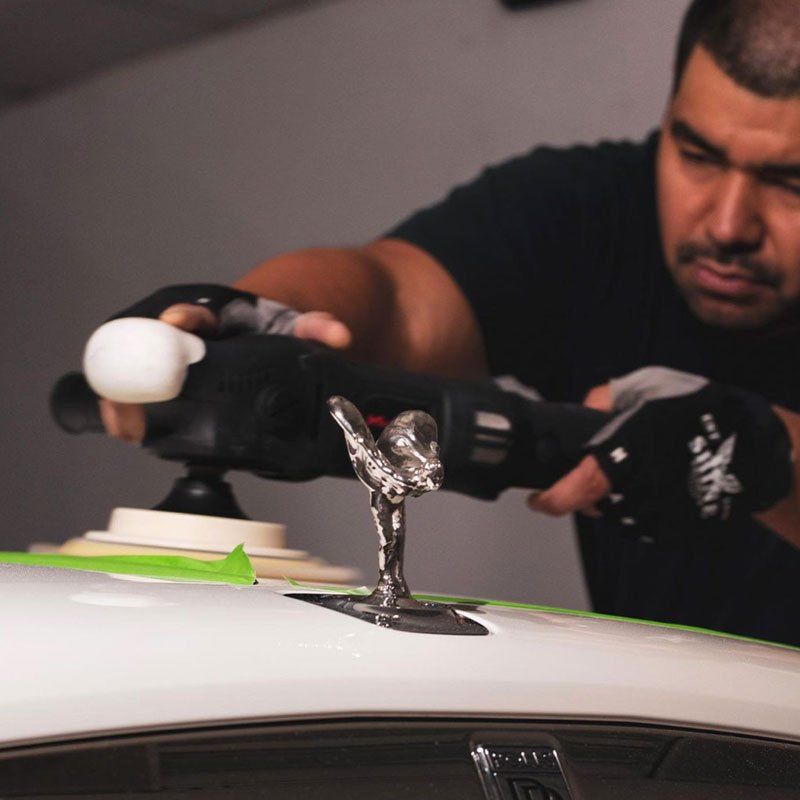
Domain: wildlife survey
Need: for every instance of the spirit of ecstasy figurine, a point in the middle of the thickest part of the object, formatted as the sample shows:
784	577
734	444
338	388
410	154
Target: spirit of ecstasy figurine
404	462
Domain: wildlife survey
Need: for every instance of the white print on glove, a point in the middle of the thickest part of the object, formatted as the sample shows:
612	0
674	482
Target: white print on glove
710	483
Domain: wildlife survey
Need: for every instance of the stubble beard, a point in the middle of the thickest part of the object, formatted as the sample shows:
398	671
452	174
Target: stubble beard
765	310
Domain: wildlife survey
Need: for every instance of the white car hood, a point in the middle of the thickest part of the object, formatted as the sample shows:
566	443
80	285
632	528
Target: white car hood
85	653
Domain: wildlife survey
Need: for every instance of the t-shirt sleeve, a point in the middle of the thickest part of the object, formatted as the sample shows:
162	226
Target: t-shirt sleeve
506	238
538	245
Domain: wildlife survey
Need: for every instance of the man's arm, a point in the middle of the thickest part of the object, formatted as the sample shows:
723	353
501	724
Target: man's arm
400	305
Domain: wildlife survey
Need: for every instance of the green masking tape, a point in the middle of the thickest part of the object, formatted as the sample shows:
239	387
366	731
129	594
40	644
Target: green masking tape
235	568
574	612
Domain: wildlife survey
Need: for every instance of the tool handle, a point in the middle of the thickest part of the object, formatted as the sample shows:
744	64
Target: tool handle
562	430
495	440
73	405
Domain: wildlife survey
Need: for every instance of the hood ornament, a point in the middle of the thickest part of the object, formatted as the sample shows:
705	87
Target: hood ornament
403	462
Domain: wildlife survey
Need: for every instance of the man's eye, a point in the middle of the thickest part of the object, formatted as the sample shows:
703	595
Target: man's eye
792	187
696	157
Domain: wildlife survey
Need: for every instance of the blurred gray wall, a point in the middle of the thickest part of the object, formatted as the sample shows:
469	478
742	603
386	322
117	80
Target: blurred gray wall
322	126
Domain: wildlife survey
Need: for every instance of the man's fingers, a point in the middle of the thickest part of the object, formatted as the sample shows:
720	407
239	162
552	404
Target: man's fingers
323	327
317	325
122	420
599	398
591	511
578	490
190	317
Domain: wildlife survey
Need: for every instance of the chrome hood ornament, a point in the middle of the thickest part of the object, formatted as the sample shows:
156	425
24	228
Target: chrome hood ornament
403	462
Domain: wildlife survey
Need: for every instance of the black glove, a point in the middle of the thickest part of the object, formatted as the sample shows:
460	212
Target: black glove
685	453
237	311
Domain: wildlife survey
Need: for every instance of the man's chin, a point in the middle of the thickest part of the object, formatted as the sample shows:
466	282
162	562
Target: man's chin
724	313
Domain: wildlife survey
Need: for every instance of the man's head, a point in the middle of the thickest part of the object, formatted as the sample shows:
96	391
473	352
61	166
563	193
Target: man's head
729	163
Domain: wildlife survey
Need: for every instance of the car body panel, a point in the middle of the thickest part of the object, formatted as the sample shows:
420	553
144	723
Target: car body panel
89	653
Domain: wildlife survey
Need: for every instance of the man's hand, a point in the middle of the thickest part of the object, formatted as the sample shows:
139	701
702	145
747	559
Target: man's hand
580	489
126	421
680	452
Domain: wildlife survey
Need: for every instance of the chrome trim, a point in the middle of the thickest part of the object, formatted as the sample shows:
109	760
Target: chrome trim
488	455
492	420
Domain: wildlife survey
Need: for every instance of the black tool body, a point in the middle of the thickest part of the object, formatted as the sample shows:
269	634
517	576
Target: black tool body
258	403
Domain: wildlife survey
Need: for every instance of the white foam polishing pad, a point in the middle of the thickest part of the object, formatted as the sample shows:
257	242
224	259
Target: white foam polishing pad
139	531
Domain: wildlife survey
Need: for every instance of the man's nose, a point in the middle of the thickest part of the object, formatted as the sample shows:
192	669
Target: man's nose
734	222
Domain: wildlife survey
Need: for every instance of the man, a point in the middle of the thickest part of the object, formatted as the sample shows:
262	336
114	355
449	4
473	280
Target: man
569	268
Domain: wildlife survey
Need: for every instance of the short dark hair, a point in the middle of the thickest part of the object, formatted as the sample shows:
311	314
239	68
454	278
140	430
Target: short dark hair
755	42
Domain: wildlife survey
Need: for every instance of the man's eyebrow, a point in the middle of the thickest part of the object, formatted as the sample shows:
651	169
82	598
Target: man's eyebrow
686	133
780	171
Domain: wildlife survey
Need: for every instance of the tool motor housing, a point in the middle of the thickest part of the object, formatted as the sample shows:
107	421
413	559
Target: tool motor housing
258	403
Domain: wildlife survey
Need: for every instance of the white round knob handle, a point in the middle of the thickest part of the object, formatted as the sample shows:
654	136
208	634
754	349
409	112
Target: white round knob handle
138	360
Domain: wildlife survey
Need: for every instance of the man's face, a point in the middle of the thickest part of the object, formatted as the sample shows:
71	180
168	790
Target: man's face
729	198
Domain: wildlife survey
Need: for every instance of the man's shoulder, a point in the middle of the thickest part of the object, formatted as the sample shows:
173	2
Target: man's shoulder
624	158
578	185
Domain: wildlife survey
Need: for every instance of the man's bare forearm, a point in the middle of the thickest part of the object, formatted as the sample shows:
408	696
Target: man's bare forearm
348	282
401	307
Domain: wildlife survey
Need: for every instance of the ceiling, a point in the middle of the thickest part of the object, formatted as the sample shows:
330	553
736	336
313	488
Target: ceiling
45	44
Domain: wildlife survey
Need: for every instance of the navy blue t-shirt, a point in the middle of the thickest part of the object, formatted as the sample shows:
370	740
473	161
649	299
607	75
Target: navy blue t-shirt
559	253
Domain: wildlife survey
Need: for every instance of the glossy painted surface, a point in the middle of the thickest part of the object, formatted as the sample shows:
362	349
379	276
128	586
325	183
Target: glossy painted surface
84	653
